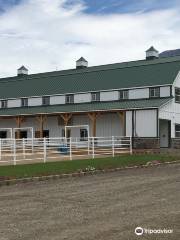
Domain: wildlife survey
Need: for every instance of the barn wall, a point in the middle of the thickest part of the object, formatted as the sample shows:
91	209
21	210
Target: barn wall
129	123
146	123
165	91
35	101
14	103
81	98
109	96
57	100
139	93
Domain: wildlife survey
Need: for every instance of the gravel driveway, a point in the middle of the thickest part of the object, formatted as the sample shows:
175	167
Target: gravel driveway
104	207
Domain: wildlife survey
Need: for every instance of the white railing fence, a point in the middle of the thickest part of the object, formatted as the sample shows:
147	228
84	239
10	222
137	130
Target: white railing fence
13	151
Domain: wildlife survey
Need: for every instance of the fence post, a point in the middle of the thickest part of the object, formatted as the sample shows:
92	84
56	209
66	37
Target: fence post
131	151
0	149
24	151
32	145
113	146
93	147
70	148
88	145
14	151
45	149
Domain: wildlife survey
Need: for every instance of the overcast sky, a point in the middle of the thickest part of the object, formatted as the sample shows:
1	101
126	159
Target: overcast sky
48	35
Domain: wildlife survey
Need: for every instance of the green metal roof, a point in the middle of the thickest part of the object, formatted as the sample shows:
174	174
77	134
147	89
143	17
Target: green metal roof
113	76
86	107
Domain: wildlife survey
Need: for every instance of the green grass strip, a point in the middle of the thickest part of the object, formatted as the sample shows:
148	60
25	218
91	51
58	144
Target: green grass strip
40	169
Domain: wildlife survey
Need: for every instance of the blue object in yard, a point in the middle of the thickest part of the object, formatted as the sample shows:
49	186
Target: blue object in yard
64	149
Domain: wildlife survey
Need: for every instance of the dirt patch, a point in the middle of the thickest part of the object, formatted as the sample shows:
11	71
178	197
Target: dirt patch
105	207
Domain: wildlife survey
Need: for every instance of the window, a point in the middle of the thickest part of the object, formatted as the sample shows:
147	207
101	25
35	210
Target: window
177	95
177	130
46	100
70	98
3	134
4	103
154	92
123	94
83	135
45	134
24	102
95	97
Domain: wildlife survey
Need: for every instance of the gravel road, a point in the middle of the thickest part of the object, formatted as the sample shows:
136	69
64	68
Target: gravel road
106	206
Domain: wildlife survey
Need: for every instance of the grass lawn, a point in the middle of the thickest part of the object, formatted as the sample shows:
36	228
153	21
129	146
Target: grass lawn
39	169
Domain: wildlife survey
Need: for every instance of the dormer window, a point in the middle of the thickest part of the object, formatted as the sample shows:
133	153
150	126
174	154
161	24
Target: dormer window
154	92
95	97
69	98
4	104
123	95
45	100
24	102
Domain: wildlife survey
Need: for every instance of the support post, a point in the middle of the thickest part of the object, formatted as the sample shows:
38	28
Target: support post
24	151
19	121
45	150
93	117
0	148
113	146
131	151
88	145
70	148
93	147
41	120
122	121
14	151
66	117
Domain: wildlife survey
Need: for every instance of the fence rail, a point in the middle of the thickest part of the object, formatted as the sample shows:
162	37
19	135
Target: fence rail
13	151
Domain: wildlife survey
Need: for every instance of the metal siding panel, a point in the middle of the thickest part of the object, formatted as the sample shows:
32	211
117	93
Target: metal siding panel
165	91
57	100
108	125
81	98
14	103
146	123
35	101
129	123
109	96
139	93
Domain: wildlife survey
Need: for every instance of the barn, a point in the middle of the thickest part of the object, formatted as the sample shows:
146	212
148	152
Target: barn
140	99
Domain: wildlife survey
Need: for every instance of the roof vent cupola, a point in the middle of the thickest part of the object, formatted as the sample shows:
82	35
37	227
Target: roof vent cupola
22	71
81	63
152	53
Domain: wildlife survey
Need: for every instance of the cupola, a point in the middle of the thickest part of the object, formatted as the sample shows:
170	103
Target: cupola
22	71
152	53
81	63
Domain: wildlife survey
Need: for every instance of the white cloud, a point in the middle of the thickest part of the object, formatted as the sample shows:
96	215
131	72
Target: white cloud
43	35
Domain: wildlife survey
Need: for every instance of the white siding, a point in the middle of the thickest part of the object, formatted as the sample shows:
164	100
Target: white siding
129	123
165	91
30	122
171	111
81	98
35	101
109	96
54	129
14	103
57	100
109	125
80	120
139	93
146	123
